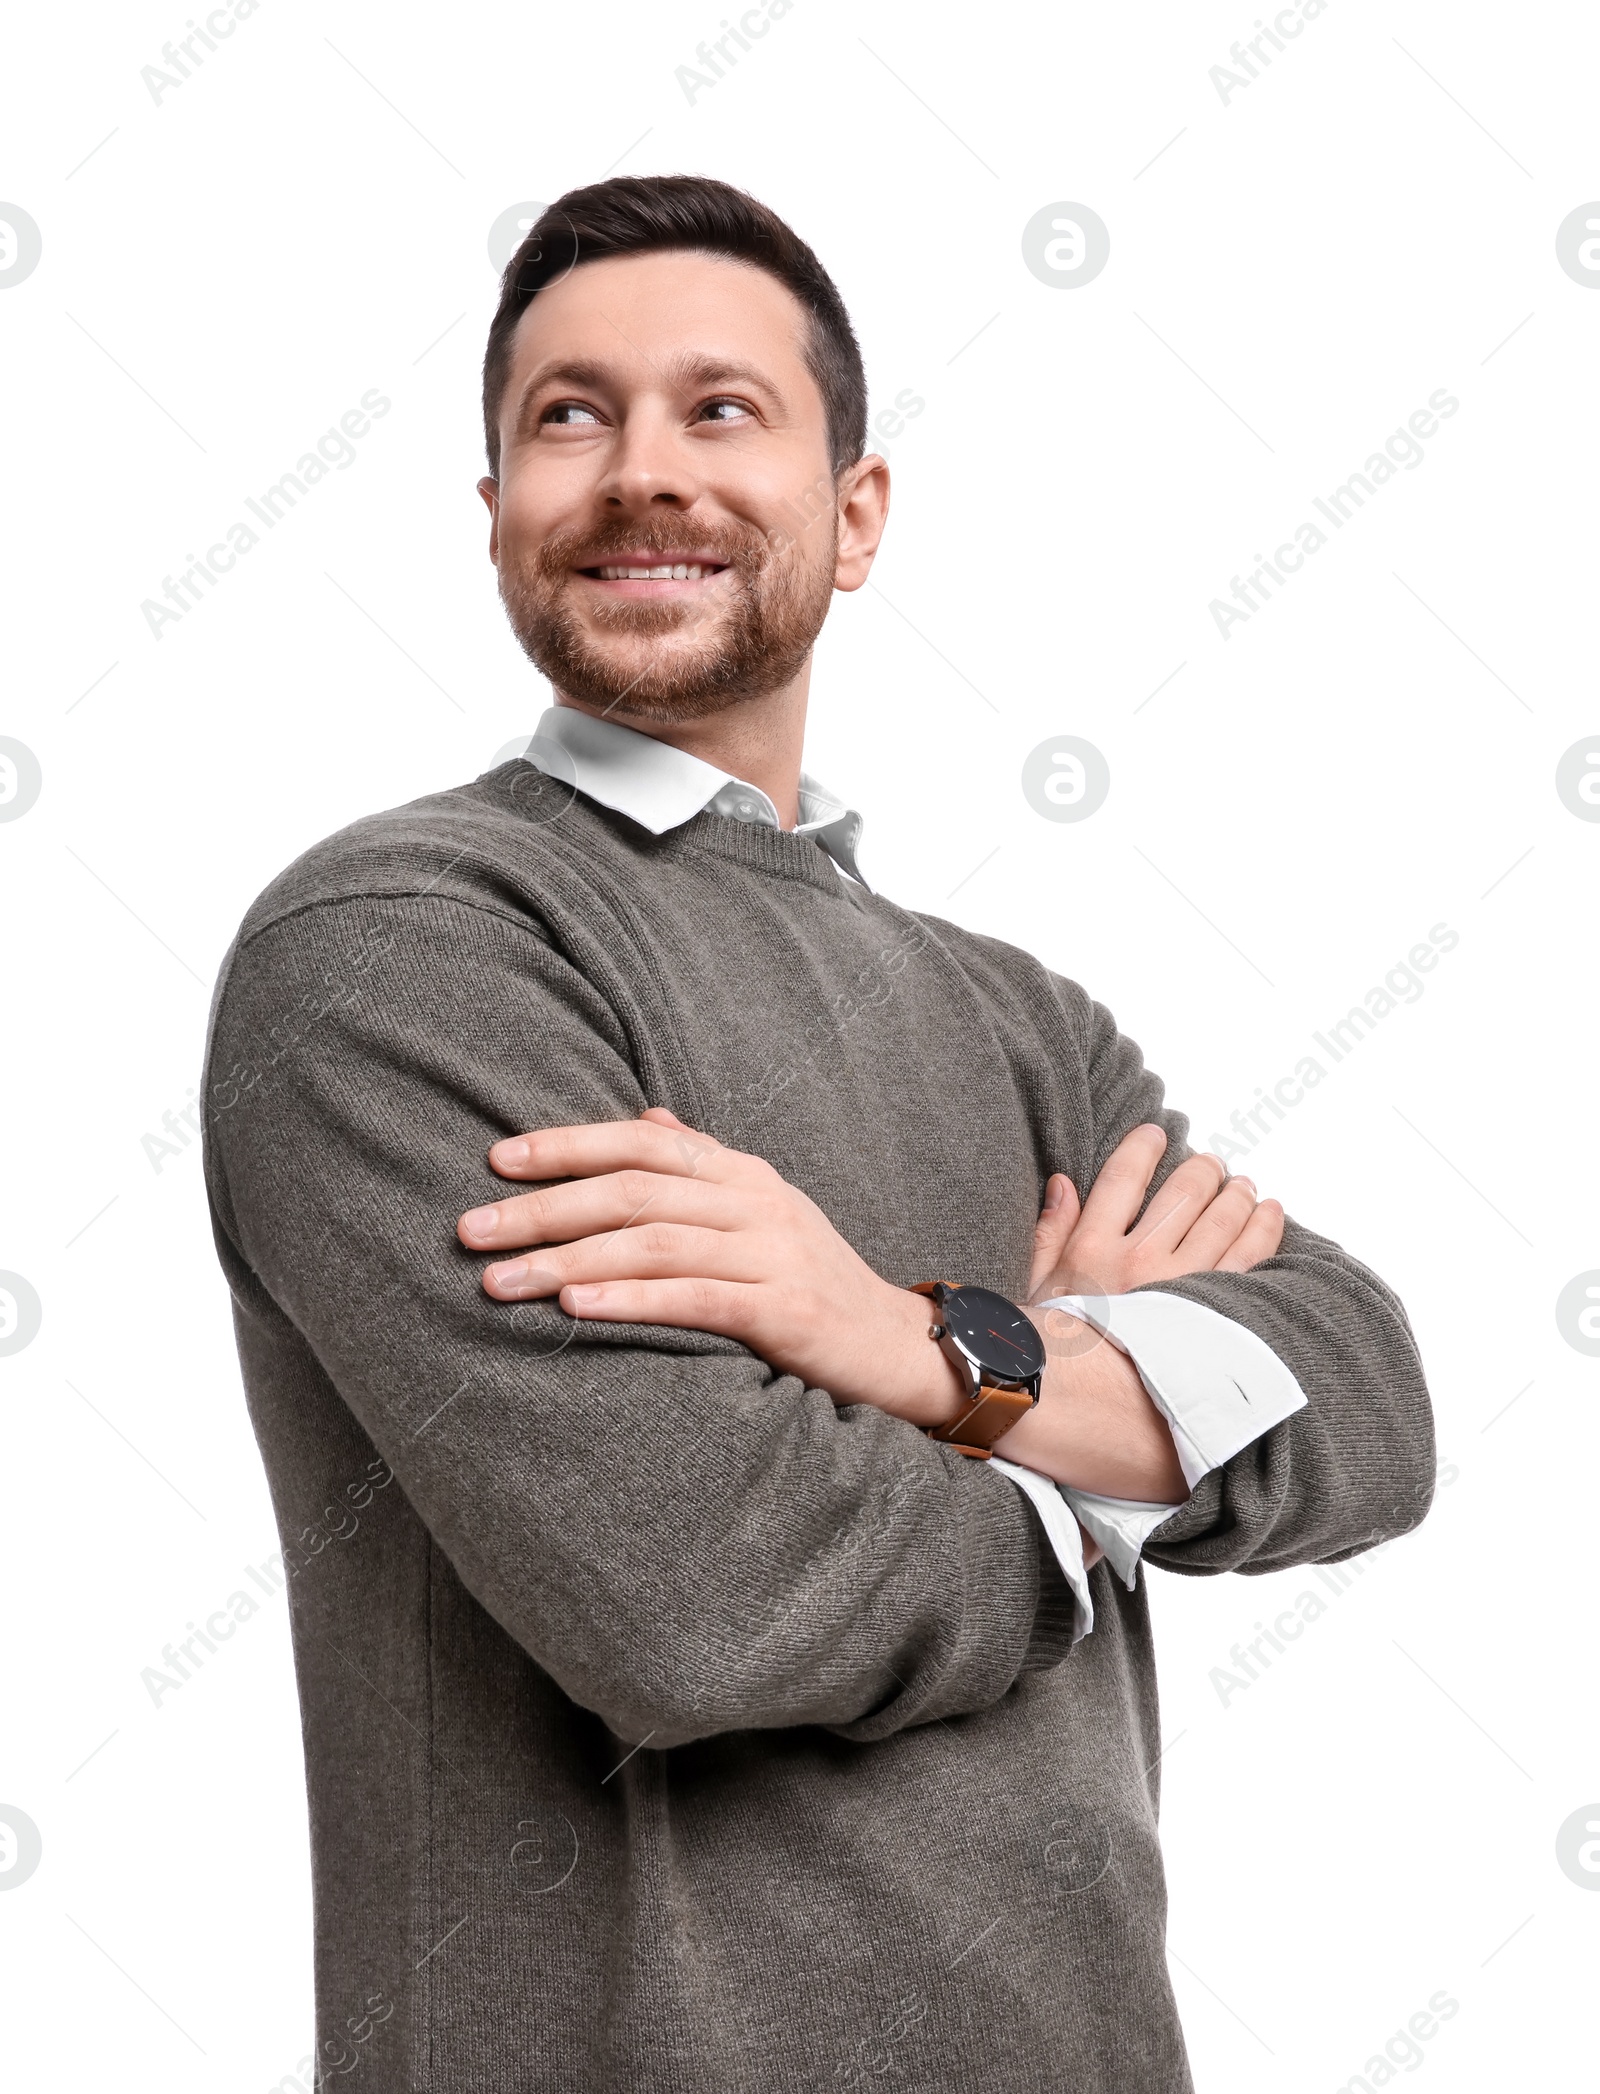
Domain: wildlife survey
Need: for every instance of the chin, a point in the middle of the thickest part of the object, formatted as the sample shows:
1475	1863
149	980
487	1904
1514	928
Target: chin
653	699
650	668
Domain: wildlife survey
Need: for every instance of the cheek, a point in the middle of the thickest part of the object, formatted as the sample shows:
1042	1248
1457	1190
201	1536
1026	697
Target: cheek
784	491
802	546
540	500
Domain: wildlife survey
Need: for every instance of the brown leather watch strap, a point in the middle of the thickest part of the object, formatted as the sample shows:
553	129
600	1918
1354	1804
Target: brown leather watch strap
992	1414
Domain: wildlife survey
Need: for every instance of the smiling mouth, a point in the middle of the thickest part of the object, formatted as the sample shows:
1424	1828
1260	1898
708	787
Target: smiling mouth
655	571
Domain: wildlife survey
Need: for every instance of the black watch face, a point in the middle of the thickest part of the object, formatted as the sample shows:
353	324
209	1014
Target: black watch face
994	1331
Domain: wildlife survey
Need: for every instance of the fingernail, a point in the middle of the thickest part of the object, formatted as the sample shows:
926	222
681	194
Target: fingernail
510	1277
481	1221
1250	1182
510	1153
585	1297
1054	1194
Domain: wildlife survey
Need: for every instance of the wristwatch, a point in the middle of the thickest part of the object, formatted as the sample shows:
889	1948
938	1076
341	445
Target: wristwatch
999	1355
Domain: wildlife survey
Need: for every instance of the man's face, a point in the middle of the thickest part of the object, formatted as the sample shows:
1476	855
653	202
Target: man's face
666	523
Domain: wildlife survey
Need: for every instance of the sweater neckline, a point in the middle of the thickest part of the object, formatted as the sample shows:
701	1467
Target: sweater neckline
784	852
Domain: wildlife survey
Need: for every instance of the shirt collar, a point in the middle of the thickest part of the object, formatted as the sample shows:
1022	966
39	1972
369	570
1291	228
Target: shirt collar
661	787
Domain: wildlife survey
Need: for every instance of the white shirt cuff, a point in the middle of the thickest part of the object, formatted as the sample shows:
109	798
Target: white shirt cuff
1121	1526
1062	1529
1216	1383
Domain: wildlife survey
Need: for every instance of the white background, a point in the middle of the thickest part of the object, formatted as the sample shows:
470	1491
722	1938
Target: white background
1374	1818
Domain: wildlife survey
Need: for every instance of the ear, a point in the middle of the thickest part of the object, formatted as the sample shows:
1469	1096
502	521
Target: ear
863	512
490	490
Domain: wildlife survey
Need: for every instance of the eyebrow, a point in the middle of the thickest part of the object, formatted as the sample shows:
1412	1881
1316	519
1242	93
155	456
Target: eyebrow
688	373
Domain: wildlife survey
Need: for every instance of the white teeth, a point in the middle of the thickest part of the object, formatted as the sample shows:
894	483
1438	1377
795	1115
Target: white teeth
682	572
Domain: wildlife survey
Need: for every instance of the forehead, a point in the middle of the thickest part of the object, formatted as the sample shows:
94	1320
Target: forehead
636	314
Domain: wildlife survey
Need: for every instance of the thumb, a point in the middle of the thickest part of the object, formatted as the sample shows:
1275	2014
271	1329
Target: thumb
1057	1220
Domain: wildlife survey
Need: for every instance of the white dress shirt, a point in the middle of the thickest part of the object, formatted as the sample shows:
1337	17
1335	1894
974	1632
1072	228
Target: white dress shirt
661	787
1215	1382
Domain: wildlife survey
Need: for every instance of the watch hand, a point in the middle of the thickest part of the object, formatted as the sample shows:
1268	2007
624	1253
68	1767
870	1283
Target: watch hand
1006	1341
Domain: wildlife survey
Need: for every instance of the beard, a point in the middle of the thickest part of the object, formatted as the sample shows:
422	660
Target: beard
669	661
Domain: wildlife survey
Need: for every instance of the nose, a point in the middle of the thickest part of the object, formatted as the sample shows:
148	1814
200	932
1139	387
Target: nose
650	465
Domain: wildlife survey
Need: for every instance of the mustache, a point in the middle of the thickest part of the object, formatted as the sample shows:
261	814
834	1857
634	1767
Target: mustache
667	538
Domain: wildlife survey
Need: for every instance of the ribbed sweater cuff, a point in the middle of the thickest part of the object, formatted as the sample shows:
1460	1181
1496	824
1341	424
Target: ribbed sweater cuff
1056	1610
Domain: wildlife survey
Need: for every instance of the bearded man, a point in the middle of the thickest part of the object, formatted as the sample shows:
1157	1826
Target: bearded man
722	1345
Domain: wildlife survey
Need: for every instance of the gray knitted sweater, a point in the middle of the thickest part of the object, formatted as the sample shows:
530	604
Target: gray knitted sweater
667	1729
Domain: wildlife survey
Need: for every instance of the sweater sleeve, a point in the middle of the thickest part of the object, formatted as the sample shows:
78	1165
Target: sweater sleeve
1353	1466
685	1541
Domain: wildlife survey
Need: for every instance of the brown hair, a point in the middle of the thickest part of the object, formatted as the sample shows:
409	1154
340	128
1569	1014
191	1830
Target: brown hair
647	214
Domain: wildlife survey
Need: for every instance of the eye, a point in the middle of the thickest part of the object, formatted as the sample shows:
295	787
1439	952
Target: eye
569	414
726	410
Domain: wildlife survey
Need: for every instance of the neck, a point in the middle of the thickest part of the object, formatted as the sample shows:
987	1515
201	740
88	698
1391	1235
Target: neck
756	739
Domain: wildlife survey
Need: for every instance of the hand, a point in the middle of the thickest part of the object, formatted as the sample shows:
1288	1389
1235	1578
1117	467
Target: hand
729	1247
1095	1424
1200	1221
660	1224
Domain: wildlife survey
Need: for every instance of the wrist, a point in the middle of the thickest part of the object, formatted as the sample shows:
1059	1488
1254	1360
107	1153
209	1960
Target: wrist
1095	1426
924	1387
1069	1343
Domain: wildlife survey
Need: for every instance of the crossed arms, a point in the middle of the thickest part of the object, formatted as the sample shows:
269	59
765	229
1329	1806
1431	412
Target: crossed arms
688	1534
658	1224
